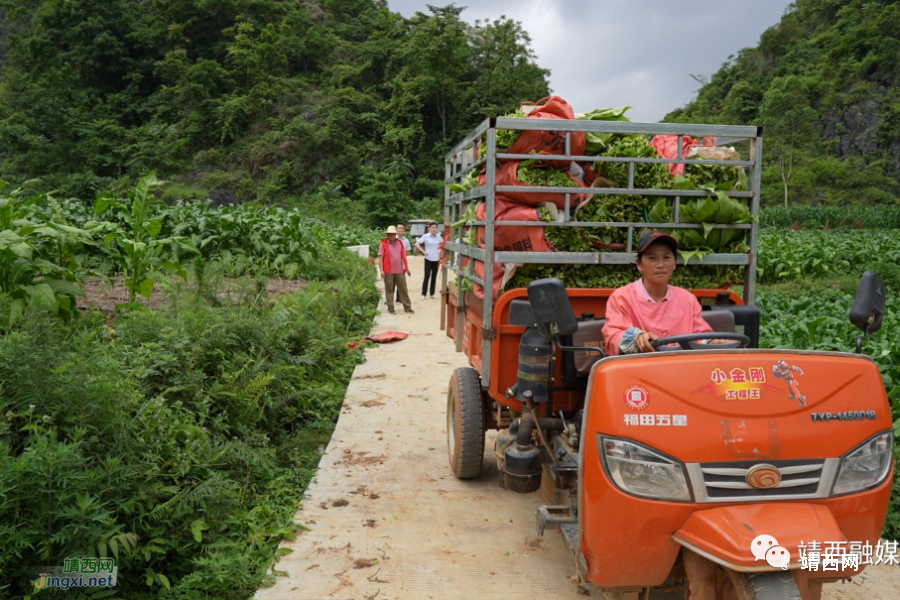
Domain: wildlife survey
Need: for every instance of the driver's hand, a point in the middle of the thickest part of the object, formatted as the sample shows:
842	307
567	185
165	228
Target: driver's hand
643	341
721	341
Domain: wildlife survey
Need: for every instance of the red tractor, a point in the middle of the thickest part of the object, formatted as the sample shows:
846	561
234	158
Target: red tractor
727	465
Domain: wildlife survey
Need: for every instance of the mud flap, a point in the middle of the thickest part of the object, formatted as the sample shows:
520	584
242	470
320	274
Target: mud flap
725	535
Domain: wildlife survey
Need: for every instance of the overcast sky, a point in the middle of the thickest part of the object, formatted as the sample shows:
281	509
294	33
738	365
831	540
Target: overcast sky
627	52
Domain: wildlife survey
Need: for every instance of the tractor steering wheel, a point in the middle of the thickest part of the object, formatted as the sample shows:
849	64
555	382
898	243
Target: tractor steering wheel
686	341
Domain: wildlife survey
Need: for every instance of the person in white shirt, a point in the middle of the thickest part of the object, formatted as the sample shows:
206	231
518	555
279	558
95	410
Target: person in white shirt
430	245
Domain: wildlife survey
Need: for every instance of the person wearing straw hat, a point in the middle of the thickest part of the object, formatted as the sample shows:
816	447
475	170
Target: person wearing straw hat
393	268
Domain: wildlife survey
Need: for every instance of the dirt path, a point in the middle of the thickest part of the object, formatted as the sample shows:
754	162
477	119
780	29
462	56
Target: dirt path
387	519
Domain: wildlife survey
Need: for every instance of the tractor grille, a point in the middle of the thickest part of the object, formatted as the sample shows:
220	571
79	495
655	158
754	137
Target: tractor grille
724	481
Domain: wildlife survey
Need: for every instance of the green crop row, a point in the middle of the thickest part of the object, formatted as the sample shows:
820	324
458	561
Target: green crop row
48	246
246	238
831	217
786	255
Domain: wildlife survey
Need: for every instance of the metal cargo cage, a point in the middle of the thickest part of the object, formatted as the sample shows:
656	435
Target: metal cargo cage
463	159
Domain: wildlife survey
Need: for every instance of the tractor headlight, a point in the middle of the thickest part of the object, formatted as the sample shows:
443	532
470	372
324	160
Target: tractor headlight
866	466
640	471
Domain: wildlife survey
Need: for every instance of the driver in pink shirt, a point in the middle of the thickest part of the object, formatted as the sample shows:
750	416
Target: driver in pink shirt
649	309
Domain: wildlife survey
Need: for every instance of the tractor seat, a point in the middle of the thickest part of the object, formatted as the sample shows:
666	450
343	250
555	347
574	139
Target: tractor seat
720	320
589	334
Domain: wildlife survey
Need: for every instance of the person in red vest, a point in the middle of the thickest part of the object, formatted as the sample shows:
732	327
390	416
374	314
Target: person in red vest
393	268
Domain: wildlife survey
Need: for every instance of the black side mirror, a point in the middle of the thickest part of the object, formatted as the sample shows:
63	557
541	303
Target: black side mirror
867	311
552	309
868	305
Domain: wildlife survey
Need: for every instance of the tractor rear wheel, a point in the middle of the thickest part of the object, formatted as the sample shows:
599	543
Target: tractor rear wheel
465	423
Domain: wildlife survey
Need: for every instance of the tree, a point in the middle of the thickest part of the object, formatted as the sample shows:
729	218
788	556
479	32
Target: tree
448	76
267	98
790	123
435	60
384	197
505	68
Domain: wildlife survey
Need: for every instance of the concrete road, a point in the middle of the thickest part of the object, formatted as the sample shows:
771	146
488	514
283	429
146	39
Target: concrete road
388	521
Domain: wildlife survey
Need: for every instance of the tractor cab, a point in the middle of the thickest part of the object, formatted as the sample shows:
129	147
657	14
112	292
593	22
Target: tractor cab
581	332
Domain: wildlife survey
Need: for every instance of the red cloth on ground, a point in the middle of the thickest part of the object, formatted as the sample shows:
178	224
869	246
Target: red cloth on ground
379	338
387	337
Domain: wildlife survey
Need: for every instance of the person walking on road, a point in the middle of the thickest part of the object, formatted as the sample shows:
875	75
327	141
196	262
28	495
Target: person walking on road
393	268
430	245
401	230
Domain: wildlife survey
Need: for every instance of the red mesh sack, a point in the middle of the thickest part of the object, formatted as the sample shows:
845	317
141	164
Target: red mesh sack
550	142
514	238
498	278
667	147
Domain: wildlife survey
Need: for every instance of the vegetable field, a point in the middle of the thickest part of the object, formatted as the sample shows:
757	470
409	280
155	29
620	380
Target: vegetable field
787	255
179	440
831	217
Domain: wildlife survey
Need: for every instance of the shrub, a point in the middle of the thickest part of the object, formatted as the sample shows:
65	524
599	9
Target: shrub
179	441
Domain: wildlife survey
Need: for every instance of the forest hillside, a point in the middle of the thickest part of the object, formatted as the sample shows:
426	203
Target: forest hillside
824	84
300	102
344	109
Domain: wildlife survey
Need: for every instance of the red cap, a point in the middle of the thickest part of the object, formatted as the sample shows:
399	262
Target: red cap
654	237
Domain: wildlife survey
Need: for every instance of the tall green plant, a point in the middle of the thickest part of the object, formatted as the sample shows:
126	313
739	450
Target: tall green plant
384	196
139	251
37	261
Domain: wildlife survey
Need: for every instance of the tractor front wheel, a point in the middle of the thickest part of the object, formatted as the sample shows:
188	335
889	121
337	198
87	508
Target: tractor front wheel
769	585
465	423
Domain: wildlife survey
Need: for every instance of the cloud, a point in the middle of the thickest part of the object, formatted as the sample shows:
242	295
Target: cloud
636	52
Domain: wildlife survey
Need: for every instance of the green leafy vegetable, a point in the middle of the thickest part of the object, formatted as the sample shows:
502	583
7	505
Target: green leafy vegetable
505	137
646	175
714	175
597	142
531	174
469	181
